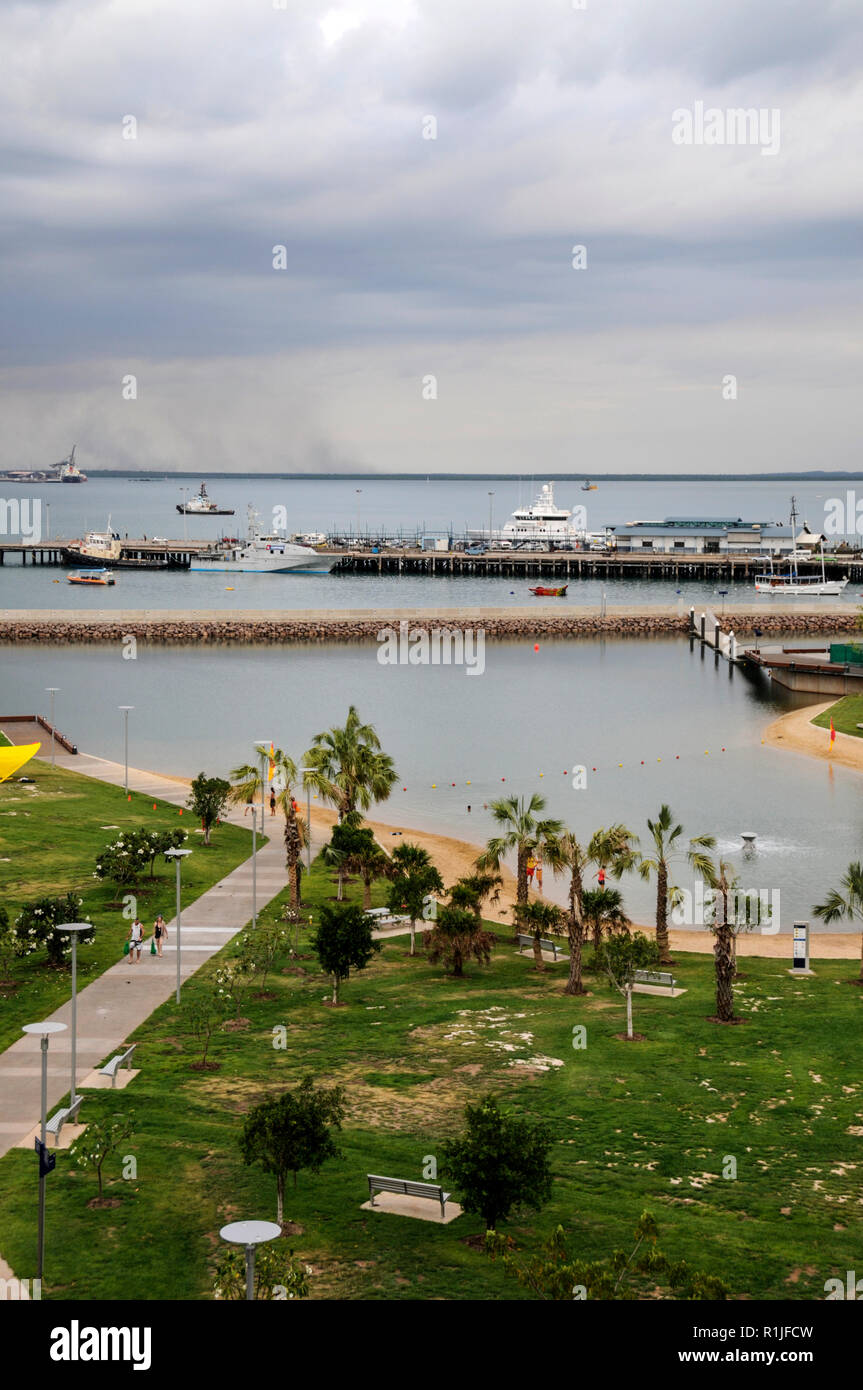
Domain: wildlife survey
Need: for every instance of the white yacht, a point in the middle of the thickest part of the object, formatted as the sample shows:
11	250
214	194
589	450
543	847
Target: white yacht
542	522
262	554
794	582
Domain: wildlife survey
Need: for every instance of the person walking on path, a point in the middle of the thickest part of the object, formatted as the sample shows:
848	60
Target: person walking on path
160	933
136	938
272	803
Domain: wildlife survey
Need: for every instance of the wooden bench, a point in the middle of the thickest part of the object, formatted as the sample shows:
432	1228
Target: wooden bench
111	1068
525	941
654	977
407	1188
67	1116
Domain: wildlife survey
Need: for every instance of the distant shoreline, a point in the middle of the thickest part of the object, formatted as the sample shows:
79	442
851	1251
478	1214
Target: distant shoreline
809	475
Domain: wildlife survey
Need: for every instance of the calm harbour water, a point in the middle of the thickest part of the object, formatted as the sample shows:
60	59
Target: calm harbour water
520	727
335	505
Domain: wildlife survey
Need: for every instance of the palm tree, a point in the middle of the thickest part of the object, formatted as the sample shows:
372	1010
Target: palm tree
247	783
347	768
845	904
369	861
414	880
723	879
665	835
471	891
455	938
602	909
539	919
522	831
613	849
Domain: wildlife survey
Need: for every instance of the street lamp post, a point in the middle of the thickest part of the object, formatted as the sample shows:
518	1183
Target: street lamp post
44	1030
178	855
125	709
359	493
309	827
250	1234
255	863
74	928
490	511
52	690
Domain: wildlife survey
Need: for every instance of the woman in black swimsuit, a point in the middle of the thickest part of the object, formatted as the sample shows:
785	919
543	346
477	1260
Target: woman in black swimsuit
160	933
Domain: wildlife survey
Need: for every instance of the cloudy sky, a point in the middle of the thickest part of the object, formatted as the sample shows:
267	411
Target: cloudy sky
409	258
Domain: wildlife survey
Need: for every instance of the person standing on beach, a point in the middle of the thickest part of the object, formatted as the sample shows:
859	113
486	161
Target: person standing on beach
160	933
136	938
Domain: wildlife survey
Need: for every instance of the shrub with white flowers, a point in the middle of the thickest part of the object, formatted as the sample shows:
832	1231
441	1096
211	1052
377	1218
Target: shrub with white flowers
98	1143
124	860
278	1275
36	922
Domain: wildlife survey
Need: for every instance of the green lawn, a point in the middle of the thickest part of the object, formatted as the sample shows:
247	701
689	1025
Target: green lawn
50	836
4	741
636	1125
846	714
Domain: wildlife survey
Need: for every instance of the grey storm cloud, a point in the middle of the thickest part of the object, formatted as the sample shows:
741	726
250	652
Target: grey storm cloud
302	127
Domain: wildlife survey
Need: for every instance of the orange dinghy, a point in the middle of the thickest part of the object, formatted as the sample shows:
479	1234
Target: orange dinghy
542	592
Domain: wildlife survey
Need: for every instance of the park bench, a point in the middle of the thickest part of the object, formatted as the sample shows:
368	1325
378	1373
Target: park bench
66	1116
407	1188
654	977
111	1068
525	941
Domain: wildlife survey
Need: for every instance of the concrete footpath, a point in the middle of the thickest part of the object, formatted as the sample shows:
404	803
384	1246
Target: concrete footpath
115	1004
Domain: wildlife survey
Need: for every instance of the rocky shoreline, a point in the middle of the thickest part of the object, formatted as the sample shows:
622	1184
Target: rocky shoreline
269	631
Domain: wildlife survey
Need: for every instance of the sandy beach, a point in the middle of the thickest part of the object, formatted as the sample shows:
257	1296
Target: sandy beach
795	731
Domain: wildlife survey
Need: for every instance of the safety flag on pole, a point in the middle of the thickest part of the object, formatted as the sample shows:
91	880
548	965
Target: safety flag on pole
832	735
272	771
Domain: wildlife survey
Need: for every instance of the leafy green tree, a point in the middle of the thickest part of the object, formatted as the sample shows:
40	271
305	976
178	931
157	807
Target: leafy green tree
665	835
278	1276
208	798
99	1141
36	922
499	1162
203	1012
556	1274
620	957
292	1132
845	903
360	854
347	767
414	881
261	948
523	832
539	919
343	941
456	937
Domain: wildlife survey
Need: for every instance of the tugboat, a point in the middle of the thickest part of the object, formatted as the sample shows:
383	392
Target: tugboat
202	505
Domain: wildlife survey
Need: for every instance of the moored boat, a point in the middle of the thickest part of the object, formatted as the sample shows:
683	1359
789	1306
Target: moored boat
543	591
91	577
202	505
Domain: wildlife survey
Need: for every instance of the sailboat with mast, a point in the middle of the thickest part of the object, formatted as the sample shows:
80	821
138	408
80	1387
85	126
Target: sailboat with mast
793	582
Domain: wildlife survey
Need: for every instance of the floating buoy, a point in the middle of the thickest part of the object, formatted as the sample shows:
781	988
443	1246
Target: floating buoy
723	750
467	784
404	789
434	786
594	769
642	762
620	764
229	588
677	757
452	784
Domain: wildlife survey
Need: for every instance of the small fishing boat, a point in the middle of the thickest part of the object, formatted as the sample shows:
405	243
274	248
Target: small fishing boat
542	591
588	486
91	577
